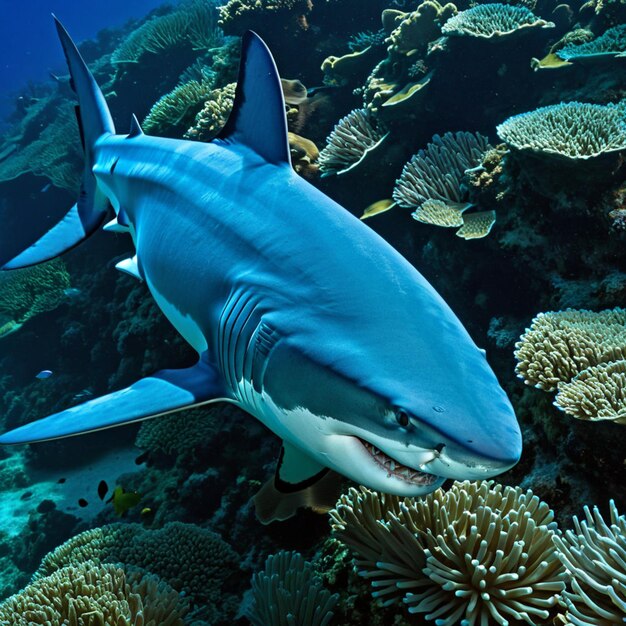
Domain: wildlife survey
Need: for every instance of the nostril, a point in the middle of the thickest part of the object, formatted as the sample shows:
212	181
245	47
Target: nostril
439	447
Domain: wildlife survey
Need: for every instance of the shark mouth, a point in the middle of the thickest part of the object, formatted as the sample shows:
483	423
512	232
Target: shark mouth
397	470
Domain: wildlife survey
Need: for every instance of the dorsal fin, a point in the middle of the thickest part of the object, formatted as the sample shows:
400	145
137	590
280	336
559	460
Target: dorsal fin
135	127
258	117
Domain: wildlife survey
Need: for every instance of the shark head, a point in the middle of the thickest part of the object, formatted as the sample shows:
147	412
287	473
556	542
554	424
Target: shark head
398	429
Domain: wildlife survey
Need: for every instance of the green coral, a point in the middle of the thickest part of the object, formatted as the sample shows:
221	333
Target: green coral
213	115
193	560
491	21
192	24
547	131
479	553
28	292
288	592
175	111
93	594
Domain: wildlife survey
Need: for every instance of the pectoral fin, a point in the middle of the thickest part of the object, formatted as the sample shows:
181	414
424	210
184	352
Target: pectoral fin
164	392
300	482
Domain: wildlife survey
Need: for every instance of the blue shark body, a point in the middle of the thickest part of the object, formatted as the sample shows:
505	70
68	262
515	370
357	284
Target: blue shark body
300	313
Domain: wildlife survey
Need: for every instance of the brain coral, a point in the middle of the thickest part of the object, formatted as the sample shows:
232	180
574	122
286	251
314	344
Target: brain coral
94	594
571	130
213	115
351	140
491	21
597	393
193	560
28	292
477	554
594	554
611	43
436	172
287	592
560	345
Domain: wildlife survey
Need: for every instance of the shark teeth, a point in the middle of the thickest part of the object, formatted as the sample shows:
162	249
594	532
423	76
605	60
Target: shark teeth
396	469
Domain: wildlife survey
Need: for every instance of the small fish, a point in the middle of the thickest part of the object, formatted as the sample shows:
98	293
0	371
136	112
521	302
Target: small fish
72	292
45	188
103	488
146	512
82	503
123	500
61	480
44	374
378	207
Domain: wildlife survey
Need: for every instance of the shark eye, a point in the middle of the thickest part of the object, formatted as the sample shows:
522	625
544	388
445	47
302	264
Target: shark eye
403	417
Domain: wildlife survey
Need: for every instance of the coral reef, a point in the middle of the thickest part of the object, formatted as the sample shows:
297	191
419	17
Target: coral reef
612	43
474	553
28	292
213	115
287	592
92	593
593	555
237	16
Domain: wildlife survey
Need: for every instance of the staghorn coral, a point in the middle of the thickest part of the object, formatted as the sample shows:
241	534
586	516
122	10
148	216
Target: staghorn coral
176	110
560	345
352	139
479	553
94	594
191	25
548	131
436	172
28	292
594	555
611	43
597	393
193	560
288	592
213	115
493	21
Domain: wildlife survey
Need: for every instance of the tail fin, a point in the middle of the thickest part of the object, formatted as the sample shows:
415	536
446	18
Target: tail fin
92	207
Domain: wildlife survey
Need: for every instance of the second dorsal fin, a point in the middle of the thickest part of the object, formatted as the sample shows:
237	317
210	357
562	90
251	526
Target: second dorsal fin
258	117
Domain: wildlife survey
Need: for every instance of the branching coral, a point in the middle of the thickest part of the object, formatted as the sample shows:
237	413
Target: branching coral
94	594
352	139
288	592
28	292
213	115
492	21
560	345
611	43
437	171
192	24
477	554
192	560
597	393
594	554
176	110
572	130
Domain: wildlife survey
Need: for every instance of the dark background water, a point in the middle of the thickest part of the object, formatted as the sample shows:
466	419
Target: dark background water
29	49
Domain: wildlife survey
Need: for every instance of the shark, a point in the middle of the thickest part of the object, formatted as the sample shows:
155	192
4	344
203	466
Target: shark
300	313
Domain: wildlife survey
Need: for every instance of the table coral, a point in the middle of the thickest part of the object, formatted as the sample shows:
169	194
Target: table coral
479	553
288	591
612	43
594	554
493	21
93	593
548	131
